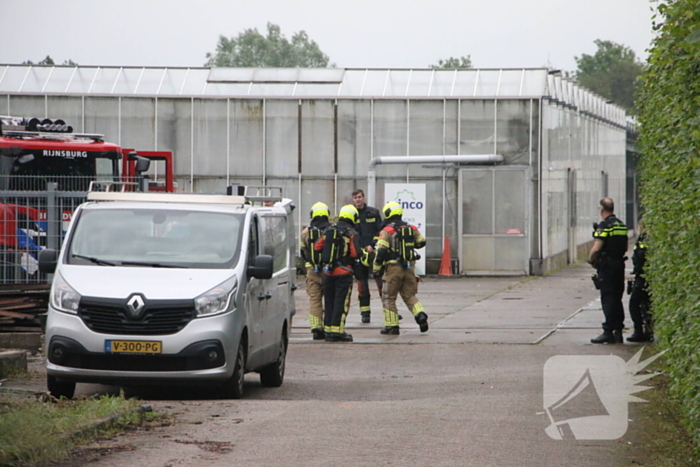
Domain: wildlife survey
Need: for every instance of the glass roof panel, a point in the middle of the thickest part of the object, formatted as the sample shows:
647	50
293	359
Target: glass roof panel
464	82
11	78
397	84
487	83
150	80
443	83
227	89
534	83
58	82
420	83
303	82
104	81
510	83
276	90
79	83
35	79
317	89
128	80
374	83
321	75
276	75
171	83
352	82
195	82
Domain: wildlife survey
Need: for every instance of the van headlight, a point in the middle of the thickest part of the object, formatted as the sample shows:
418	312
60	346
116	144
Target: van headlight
218	299
64	297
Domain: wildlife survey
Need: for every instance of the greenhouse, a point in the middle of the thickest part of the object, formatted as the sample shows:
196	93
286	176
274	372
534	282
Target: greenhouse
552	149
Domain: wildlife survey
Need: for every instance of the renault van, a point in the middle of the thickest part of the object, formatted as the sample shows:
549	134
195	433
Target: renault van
163	288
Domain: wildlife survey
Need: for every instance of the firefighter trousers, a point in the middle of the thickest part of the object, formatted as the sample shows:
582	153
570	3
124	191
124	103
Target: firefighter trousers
399	281
336	296
363	274
314	289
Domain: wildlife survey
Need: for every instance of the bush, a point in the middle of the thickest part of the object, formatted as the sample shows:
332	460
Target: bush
669	116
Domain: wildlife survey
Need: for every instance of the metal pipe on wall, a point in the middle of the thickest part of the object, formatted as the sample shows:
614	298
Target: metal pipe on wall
468	159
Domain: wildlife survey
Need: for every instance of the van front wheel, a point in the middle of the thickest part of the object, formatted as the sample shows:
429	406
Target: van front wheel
60	389
272	375
234	386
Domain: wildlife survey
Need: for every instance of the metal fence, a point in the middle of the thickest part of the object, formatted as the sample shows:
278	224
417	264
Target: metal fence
29	222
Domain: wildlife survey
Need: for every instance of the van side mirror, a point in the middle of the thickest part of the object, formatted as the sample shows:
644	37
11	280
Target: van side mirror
262	268
47	261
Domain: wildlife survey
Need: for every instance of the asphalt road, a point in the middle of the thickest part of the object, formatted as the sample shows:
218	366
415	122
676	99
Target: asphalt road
468	392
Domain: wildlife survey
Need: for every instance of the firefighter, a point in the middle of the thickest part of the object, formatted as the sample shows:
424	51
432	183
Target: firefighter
607	255
640	302
368	230
396	253
314	276
339	247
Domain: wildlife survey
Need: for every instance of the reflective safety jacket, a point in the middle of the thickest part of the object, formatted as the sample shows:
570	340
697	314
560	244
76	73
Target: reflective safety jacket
386	246
348	257
639	256
305	245
613	233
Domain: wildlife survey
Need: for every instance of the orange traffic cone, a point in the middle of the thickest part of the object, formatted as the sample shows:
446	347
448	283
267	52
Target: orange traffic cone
446	262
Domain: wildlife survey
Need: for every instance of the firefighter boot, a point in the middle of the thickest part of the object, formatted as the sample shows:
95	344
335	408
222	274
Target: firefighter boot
338	337
638	335
390	330
318	334
605	338
422	320
365	317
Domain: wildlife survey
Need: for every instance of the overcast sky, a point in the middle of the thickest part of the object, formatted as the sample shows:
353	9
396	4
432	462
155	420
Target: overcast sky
354	34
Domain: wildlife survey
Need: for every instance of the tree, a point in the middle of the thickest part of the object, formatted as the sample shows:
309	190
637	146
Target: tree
611	72
453	62
252	49
49	61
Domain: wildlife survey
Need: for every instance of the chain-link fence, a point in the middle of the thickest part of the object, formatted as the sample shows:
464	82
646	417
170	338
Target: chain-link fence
32	220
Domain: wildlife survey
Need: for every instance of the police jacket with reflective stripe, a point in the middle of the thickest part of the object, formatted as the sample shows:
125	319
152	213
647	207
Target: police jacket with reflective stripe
613	232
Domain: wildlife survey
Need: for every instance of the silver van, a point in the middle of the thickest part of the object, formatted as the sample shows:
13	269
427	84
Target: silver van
162	288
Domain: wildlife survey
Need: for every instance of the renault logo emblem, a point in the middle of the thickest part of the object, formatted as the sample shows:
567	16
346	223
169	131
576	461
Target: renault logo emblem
135	304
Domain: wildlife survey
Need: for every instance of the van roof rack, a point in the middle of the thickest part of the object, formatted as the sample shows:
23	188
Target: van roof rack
263	194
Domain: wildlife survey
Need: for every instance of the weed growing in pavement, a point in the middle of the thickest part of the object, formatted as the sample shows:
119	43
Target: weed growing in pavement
34	432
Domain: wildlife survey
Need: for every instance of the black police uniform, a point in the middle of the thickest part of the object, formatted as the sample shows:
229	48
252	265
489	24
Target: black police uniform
368	229
640	302
610	267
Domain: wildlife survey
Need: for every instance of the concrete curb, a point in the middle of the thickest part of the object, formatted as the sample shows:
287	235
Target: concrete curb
108	421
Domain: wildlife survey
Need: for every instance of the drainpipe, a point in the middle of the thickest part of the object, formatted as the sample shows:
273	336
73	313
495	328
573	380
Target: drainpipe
372	173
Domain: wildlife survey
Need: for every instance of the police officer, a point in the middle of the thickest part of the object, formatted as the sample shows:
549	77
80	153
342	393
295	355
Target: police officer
368	229
314	276
396	241
640	302
607	255
339	247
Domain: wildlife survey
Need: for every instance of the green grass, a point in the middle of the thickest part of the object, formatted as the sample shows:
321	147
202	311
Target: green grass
662	439
35	433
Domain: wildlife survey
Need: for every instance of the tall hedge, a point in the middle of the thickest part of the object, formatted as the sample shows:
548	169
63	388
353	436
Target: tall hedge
669	116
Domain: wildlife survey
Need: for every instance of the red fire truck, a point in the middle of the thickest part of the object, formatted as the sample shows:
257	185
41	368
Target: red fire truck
37	152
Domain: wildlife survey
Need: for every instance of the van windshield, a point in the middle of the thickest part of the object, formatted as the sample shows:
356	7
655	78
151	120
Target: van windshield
156	238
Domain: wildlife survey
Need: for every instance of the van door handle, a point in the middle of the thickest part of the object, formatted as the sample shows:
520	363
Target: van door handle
262	297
